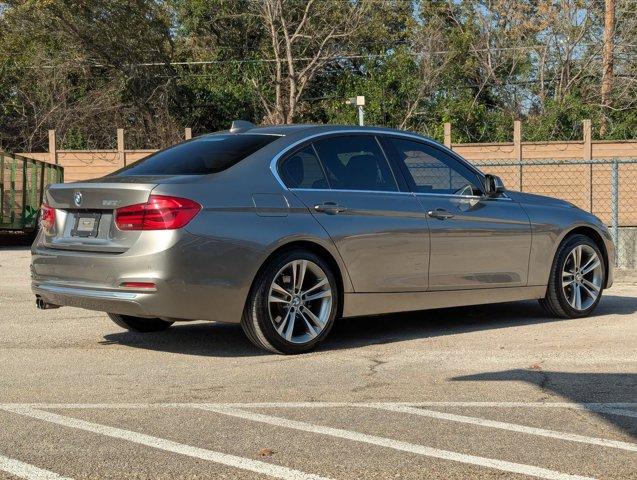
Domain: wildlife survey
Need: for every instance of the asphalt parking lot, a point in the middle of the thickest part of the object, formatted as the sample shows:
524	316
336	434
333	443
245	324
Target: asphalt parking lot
497	391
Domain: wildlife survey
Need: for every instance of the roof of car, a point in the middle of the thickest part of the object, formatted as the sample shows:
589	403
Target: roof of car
286	130
280	129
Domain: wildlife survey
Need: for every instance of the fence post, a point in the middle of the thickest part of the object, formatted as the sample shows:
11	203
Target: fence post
587	155
614	194
53	154
188	133
447	134
121	151
517	145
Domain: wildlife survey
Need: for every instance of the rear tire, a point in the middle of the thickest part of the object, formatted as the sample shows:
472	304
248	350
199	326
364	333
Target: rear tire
577	279
140	324
292	304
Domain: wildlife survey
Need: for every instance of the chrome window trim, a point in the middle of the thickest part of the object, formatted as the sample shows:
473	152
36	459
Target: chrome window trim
468	197
503	197
396	192
366	131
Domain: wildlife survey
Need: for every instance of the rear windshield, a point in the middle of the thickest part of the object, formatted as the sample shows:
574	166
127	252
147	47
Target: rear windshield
200	156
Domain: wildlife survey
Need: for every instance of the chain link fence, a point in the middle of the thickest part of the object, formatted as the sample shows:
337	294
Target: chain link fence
606	187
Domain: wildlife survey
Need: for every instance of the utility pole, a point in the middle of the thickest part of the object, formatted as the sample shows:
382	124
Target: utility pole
359	102
607	63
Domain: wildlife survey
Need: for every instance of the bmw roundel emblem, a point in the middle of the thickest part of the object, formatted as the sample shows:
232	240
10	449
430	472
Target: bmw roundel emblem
77	198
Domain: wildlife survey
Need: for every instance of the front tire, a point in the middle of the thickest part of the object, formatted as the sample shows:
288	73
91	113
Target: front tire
578	276
292	304
140	324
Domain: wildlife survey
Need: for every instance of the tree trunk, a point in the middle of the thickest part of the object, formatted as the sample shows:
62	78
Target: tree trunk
607	64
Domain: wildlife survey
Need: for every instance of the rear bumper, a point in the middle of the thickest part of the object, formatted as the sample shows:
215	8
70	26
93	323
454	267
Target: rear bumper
122	302
192	277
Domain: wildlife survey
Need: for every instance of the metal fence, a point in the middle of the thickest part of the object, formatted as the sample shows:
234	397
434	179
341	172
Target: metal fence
22	183
605	187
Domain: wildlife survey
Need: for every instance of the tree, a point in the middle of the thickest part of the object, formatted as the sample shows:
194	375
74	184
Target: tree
607	63
304	37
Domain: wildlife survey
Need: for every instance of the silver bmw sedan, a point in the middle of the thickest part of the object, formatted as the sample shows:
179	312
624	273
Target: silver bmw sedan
285	229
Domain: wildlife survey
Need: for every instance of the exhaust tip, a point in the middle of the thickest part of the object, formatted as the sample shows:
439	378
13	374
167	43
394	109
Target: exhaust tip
42	305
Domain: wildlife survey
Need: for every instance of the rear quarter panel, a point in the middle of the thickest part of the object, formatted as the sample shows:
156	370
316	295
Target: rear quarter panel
232	236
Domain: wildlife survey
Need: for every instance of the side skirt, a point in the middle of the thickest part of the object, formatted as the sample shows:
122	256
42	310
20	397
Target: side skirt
357	304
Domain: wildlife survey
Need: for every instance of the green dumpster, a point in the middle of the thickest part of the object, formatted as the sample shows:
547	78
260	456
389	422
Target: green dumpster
22	184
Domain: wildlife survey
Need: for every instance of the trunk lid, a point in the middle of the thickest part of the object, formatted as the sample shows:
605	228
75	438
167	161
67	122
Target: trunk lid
84	216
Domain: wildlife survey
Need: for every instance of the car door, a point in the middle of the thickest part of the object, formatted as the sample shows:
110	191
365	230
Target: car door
476	241
380	231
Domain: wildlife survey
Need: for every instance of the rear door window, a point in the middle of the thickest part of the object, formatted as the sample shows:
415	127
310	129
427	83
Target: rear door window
200	156
355	162
303	170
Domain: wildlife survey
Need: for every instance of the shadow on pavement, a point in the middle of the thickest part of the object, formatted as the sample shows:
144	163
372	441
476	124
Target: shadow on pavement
15	241
207	339
361	331
223	340
576	388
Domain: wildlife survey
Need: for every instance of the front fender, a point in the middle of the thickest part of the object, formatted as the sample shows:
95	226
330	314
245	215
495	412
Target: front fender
550	225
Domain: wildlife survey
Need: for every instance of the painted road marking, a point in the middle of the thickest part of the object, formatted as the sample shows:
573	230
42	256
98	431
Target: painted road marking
510	426
396	444
610	408
577	406
257	466
24	470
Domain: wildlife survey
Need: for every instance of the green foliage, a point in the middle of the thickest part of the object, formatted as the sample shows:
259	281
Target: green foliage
86	67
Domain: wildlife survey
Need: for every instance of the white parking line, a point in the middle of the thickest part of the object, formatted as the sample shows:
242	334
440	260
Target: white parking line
566	405
509	426
25	470
257	466
610	408
396	444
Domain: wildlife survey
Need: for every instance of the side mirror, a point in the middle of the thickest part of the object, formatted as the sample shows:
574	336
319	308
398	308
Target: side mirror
493	185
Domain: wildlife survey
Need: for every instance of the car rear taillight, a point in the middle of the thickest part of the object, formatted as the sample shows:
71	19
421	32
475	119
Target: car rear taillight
150	285
160	212
47	217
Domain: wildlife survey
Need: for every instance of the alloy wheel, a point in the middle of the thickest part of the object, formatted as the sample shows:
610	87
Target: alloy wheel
582	277
300	301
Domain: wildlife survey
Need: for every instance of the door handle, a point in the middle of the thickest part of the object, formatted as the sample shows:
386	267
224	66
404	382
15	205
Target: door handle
331	208
440	214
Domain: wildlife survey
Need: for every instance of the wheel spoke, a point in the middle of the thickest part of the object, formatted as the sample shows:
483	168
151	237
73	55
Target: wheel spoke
321	294
578	297
290	328
278	288
273	299
571	298
590	285
589	267
591	294
321	282
316	320
578	256
572	257
566	283
310	329
293	265
301	275
283	323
